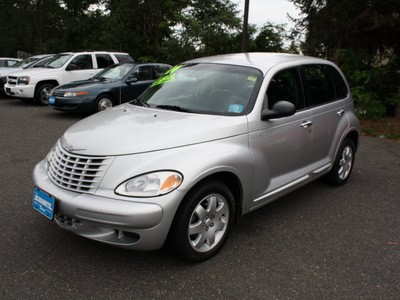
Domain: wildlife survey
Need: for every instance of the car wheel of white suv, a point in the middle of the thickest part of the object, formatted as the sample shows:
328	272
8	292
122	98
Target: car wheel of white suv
203	221
42	93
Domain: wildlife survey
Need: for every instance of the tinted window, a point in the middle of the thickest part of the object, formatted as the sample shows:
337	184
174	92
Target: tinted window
81	62
320	87
285	85
144	73
161	69
124	58
104	60
341	87
2	63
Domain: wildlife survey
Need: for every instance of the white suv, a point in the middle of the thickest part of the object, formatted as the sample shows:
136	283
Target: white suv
63	68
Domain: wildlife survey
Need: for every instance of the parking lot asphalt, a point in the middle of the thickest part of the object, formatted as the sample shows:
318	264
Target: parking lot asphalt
320	242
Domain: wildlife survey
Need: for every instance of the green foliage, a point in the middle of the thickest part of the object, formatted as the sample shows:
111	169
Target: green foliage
373	81
167	31
270	38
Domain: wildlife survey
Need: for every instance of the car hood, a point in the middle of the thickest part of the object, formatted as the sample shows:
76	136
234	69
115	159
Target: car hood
6	71
87	84
129	129
33	71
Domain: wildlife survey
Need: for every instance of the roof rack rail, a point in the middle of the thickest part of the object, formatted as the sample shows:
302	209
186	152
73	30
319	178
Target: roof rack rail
83	50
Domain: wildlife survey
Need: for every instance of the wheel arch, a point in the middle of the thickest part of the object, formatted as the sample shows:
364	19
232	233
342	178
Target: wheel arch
51	81
353	135
232	182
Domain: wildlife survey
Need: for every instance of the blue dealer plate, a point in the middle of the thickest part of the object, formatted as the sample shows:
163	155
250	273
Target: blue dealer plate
52	100
43	203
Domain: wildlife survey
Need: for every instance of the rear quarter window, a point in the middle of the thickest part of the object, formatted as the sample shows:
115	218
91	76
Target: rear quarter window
124	58
104	60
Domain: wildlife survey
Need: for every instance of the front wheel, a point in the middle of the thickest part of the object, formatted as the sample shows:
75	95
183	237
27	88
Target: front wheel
203	221
343	164
104	102
42	93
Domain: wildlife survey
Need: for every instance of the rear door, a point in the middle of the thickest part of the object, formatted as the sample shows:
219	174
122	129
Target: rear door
325	94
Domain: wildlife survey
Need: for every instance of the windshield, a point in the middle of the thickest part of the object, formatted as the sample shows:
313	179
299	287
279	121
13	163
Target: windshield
39	64
205	88
24	63
114	72
58	61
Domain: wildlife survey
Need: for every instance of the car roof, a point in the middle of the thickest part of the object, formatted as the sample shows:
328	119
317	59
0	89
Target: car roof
262	61
93	51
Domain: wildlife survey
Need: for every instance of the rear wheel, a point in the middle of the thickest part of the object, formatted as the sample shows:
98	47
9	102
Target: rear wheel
203	221
343	164
42	93
104	102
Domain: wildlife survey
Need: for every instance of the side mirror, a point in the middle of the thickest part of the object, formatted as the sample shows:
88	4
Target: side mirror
131	79
279	110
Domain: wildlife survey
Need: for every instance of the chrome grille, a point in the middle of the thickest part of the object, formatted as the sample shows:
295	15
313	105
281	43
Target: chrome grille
12	80
76	172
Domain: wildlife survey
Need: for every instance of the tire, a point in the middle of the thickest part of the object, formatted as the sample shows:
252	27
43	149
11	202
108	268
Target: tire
203	221
343	164
42	93
103	102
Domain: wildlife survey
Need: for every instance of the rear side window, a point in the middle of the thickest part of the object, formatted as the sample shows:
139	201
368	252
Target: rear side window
341	87
319	84
124	58
103	61
285	85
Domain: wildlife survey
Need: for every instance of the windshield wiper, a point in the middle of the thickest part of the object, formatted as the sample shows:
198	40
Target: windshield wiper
173	107
139	102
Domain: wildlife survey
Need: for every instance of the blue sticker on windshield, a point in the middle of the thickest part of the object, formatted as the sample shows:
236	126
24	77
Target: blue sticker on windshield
236	108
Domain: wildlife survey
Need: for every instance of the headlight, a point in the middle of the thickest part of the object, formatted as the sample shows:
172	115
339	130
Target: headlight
23	80
72	94
150	185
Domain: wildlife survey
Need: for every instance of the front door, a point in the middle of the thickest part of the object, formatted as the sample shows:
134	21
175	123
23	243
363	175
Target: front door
281	148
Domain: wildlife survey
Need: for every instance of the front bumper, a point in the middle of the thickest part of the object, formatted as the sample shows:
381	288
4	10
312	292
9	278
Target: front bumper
128	224
78	104
20	91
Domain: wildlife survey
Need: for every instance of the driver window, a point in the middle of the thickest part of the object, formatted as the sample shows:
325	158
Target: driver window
145	73
81	62
285	85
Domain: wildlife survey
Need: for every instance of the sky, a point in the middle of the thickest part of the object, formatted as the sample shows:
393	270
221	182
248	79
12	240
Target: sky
263	11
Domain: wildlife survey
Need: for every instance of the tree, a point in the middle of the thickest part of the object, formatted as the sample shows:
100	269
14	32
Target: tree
270	39
368	31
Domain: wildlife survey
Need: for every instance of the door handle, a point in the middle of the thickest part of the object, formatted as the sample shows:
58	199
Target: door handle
340	112
306	124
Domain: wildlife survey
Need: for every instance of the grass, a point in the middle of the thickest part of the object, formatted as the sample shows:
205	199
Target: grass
387	128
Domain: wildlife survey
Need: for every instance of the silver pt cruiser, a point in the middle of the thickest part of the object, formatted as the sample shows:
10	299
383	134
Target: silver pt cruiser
213	139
